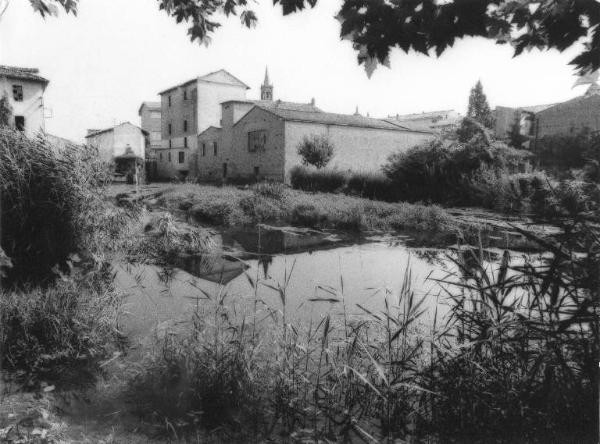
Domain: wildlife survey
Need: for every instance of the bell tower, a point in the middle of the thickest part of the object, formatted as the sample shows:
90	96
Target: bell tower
266	89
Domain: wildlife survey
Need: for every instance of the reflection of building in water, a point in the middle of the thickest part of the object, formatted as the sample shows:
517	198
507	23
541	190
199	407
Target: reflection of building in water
264	261
272	240
214	268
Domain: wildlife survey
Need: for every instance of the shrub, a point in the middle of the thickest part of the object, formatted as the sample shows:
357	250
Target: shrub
566	151
316	150
261	209
307	216
371	185
326	181
52	203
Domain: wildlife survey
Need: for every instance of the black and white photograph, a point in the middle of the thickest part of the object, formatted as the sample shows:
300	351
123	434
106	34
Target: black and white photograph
300	221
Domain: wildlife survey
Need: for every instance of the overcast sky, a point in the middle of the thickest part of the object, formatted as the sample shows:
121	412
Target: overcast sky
115	54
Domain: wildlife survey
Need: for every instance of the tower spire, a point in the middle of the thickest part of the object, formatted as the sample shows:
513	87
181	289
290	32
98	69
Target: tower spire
266	89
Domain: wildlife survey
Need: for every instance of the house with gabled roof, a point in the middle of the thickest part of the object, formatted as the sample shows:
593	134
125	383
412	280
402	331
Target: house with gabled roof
259	139
24	88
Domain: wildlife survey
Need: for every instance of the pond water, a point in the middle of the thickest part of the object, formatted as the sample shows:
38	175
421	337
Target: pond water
325	272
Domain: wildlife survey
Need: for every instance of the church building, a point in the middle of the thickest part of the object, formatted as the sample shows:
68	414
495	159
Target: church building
258	139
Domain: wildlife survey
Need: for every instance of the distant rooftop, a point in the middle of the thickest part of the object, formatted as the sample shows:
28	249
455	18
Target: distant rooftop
334	119
16	72
280	104
95	132
424	115
150	105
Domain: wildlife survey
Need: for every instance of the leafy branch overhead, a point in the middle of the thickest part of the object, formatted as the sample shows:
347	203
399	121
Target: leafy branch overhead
375	27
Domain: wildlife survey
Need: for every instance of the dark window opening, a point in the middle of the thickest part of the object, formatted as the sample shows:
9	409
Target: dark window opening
203	149
20	123
181	157
170	128
184	95
160	156
170	144
215	148
257	141
169	100
18	93
169	156
185	142
256	171
185	126
224	170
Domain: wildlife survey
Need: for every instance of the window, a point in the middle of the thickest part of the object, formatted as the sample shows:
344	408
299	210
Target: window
215	148
18	93
185	126
160	157
169	156
203	149
194	94
170	144
184	94
257	140
256	171
169	100
181	156
170	129
185	142
20	123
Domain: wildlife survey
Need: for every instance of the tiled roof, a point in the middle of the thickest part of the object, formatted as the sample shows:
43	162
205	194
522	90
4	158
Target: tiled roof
575	100
279	104
93	133
333	119
22	73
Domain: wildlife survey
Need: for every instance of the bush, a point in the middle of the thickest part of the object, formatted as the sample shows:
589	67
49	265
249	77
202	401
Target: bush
58	333
566	151
271	190
326	181
316	150
52	203
446	172
371	185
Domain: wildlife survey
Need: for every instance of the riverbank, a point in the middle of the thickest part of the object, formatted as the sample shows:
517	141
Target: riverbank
273	204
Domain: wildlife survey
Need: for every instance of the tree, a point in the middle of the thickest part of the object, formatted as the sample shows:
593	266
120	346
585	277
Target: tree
375	27
316	150
479	109
5	111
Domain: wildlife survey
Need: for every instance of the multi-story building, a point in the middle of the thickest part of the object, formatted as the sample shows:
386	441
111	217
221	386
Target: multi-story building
150	121
24	88
187	110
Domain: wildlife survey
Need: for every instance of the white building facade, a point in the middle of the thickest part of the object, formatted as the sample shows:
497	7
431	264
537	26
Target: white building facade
24	88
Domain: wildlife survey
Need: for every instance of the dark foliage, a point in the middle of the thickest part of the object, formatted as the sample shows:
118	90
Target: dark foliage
326	181
567	151
479	108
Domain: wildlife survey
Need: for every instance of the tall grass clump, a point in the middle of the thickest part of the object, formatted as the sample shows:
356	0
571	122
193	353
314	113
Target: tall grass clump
52	204
59	333
324	180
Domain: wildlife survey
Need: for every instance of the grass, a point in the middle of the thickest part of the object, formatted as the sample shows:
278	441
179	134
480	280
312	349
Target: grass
230	206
